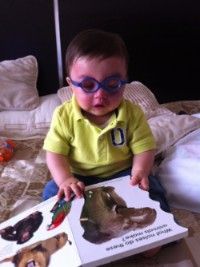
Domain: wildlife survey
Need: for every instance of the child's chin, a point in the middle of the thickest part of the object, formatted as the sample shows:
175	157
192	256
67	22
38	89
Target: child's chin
100	112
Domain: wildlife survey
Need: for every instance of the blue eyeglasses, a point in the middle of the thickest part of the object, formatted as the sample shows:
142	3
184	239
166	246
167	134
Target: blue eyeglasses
110	85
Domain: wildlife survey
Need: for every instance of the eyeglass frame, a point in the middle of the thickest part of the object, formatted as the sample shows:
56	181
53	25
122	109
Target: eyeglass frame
100	84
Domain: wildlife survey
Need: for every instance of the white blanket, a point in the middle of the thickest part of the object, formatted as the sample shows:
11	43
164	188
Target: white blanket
179	172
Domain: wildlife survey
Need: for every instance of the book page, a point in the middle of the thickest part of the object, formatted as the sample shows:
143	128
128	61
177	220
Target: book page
118	220
112	221
39	233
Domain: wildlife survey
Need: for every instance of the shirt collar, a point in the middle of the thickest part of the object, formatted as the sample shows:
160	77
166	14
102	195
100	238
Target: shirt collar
120	112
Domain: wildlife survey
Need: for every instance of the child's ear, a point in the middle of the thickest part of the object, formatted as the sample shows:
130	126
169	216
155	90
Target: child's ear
68	81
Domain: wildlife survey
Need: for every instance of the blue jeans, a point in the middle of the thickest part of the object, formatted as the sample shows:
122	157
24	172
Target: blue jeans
156	191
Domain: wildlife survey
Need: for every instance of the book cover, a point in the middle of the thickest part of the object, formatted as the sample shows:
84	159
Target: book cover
112	221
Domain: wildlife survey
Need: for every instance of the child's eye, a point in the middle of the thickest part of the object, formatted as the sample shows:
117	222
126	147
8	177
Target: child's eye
114	83
88	85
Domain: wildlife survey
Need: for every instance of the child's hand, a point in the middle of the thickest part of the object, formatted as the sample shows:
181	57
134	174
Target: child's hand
140	177
70	187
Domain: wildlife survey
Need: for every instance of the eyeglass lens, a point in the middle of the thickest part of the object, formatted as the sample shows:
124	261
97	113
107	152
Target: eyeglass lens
90	84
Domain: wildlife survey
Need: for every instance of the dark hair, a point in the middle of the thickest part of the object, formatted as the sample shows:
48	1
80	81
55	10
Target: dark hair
95	43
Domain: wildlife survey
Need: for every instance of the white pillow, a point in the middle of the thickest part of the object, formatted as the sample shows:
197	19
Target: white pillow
170	128
29	124
64	93
135	92
141	95
18	80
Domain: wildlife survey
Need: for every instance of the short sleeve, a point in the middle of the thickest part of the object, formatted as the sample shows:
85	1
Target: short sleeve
57	139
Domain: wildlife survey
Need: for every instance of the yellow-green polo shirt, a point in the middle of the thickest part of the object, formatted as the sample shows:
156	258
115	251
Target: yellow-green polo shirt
93	151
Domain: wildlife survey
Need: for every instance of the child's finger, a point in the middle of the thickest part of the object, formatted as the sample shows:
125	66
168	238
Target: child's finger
60	193
134	180
81	185
68	193
144	184
78	191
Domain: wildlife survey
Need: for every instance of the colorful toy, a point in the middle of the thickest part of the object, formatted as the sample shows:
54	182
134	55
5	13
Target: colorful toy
60	210
6	150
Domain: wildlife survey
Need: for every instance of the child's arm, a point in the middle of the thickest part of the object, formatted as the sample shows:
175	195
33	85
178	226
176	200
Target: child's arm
141	168
60	170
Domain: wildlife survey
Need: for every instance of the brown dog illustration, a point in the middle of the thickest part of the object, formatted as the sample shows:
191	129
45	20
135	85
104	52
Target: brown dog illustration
38	254
105	215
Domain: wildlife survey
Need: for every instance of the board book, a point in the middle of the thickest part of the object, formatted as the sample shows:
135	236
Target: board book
112	221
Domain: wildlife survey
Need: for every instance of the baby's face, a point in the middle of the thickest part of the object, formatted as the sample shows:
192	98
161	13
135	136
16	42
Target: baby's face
101	102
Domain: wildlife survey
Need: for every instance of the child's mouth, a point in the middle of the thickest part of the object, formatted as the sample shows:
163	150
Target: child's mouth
99	106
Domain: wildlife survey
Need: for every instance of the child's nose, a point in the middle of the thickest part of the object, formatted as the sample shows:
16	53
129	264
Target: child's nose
100	92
